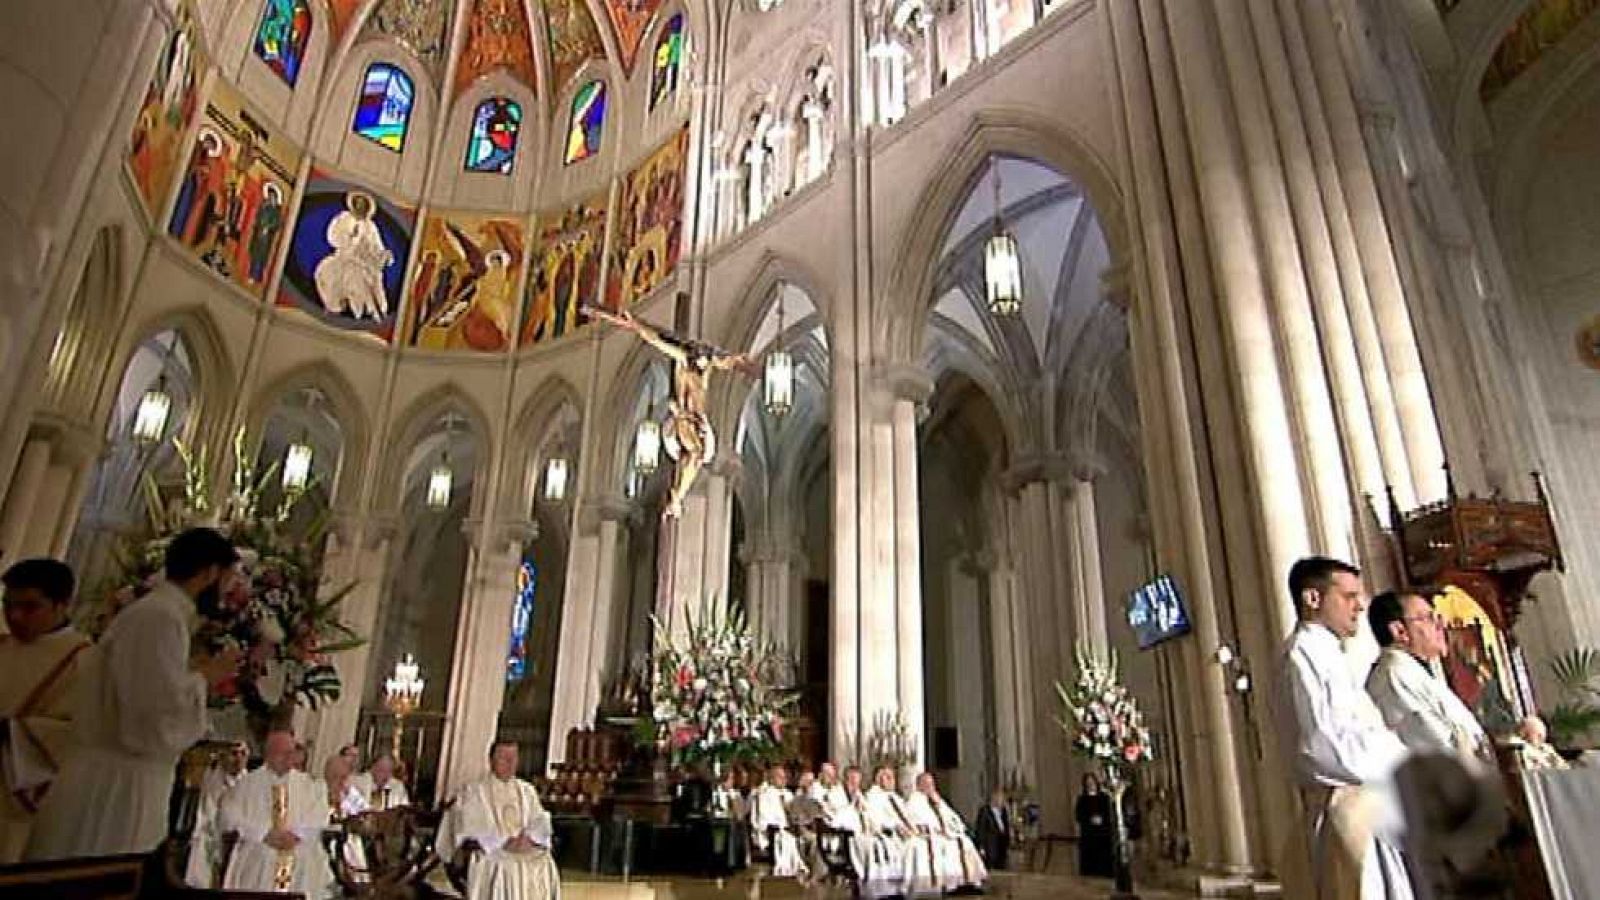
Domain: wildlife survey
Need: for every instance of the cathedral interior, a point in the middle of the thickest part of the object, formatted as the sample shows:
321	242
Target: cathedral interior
1048	299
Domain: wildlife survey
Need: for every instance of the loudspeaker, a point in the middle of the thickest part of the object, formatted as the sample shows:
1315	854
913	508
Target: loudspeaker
946	747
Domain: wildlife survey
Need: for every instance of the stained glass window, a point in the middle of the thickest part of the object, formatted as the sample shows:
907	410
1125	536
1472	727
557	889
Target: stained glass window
385	106
588	118
282	36
493	144
521	619
669	57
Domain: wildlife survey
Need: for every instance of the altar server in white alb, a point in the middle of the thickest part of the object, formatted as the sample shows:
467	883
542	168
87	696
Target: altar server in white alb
379	786
769	825
38	670
1415	702
141	703
278	813
503	816
893	862
1341	752
205	842
956	863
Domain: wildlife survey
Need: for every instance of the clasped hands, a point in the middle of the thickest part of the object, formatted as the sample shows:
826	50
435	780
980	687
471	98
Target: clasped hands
281	839
521	844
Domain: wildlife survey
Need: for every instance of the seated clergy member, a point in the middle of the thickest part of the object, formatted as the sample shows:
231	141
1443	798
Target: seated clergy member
278	814
503	816
38	667
1419	706
769	825
380	787
891	860
1341	753
956	860
827	790
338	790
205	842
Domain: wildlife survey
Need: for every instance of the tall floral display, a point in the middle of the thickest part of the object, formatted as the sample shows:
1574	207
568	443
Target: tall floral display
713	698
1103	722
272	611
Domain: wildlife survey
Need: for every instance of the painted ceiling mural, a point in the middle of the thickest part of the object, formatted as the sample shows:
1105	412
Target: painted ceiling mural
497	37
342	13
630	19
421	25
574	38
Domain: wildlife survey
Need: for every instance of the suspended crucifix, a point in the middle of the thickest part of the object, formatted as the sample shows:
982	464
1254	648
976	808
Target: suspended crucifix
688	437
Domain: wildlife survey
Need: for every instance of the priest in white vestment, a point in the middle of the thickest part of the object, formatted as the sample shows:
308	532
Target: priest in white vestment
1415	702
343	800
278	814
205	842
1341	753
956	860
827	790
39	662
892	863
141	702
503	816
769	825
379	786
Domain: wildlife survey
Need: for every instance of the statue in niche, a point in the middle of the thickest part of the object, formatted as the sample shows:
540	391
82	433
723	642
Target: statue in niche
688	437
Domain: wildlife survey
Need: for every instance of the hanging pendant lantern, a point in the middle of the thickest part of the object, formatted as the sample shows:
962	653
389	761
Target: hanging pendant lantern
150	420
647	447
778	378
1002	262
555	479
441	482
297	466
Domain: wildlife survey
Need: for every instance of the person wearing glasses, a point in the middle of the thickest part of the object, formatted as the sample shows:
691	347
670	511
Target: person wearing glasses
1404	683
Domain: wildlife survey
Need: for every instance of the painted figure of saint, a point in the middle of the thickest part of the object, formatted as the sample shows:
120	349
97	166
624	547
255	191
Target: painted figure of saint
350	279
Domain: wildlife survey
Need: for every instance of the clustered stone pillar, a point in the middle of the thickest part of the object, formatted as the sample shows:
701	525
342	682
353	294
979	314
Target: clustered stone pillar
774	573
46	489
700	548
478	676
594	564
356	556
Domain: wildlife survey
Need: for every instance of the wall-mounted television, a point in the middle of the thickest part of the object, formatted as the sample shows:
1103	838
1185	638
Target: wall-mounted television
1156	612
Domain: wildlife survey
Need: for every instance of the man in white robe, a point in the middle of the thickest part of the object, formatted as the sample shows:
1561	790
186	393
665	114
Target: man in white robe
141	703
278	814
827	790
503	816
39	662
205	842
380	787
343	799
769	825
891	863
1341	753
1415	702
956	860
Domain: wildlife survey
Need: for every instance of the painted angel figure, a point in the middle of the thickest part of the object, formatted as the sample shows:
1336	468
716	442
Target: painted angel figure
688	437
350	279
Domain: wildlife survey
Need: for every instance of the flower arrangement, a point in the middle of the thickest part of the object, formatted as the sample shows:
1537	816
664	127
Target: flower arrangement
1102	719
713	696
270	611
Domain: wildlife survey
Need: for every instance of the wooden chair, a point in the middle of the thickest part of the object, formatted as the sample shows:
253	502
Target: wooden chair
833	848
380	854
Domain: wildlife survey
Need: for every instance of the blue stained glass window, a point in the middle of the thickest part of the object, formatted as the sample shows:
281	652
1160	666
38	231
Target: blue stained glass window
521	619
282	36
492	147
588	119
384	109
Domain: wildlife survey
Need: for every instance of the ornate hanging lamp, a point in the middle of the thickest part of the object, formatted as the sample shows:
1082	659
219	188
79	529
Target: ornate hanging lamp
1002	263
778	382
150	419
297	465
556	471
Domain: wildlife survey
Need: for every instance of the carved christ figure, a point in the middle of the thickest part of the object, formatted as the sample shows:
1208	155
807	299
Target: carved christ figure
688	436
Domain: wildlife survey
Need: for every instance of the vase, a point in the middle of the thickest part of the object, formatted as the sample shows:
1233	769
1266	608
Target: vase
1122	849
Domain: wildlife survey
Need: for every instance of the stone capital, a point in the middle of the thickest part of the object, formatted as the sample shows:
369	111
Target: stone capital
606	508
379	531
1041	467
70	443
904	381
503	536
1087	465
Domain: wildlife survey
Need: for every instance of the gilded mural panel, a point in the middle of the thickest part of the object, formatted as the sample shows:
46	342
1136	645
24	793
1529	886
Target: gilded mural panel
165	114
565	270
463	289
649	231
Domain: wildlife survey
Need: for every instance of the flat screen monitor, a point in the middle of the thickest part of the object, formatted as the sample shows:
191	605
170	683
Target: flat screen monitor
1156	612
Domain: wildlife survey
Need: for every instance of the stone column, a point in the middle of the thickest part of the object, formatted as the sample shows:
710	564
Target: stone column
611	515
22	499
573	661
478	676
1090	603
910	388
880	636
356	556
